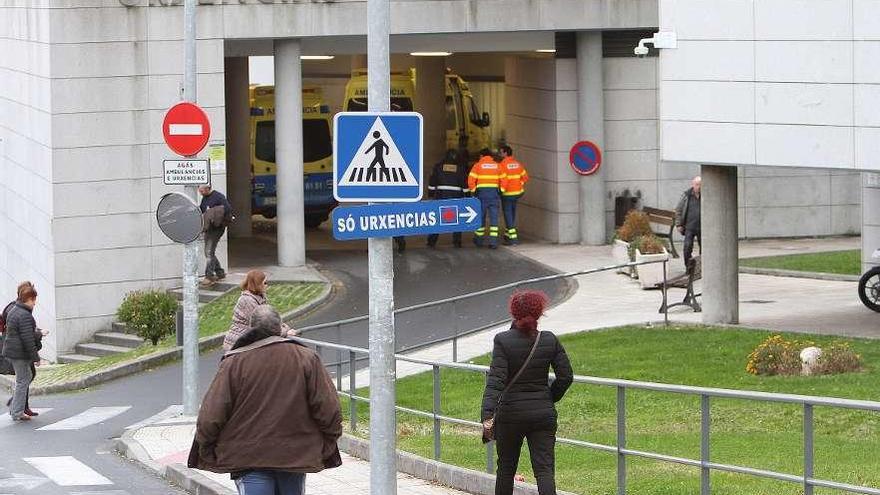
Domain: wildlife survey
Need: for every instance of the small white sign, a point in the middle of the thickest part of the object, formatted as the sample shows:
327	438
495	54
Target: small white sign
186	172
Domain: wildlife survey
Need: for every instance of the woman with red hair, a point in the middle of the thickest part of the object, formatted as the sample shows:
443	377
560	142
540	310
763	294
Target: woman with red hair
518	395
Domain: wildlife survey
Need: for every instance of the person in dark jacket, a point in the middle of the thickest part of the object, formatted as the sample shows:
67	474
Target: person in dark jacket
687	217
20	348
38	337
271	414
526	410
448	181
216	220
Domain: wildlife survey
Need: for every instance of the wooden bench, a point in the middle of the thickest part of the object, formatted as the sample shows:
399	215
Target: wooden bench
666	218
694	272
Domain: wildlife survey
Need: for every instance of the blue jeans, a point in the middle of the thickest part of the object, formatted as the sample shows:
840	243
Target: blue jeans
267	482
490	201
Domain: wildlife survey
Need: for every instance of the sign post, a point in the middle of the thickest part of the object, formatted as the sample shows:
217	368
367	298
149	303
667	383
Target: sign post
191	249
383	415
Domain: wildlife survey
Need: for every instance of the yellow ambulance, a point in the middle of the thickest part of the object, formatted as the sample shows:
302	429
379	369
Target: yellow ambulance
317	154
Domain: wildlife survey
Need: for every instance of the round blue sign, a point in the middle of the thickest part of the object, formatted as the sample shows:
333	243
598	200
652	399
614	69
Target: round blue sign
585	158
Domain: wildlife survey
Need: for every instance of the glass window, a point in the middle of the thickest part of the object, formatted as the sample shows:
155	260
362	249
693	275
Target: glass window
397	105
451	123
264	143
357	105
476	118
317	143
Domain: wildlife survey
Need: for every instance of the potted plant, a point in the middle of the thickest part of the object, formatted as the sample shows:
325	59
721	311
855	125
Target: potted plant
650	248
635	225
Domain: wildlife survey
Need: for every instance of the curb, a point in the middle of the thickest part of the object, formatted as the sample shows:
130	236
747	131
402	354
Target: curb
463	479
152	360
776	272
178	474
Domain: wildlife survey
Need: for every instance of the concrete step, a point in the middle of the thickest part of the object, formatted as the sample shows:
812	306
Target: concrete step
75	358
98	350
117	327
118	339
205	295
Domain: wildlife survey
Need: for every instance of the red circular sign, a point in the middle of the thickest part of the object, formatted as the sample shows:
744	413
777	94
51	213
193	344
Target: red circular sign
585	158
186	129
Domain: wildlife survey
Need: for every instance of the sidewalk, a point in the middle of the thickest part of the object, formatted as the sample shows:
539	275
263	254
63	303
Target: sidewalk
166	444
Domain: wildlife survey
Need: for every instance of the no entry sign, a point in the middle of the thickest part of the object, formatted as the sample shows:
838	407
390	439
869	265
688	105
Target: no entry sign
585	158
186	129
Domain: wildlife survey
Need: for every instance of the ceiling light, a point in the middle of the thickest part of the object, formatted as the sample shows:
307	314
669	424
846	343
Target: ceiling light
431	54
317	57
546	50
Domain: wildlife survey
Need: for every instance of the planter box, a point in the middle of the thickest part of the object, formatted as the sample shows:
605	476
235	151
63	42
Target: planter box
651	275
620	253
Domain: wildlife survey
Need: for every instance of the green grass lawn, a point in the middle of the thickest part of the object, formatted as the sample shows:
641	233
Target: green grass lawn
214	318
838	262
753	434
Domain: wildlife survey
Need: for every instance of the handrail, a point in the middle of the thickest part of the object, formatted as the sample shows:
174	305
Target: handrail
808	402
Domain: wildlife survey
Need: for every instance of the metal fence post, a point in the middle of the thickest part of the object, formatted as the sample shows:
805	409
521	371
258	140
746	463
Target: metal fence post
352	390
705	423
436	411
339	357
455	335
665	295
808	448
621	440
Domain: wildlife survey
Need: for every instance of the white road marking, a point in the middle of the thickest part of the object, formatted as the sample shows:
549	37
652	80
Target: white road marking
185	129
168	413
67	471
86	418
6	419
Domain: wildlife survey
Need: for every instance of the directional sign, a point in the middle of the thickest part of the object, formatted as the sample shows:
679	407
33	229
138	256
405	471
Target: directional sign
585	158
424	217
377	156
186	129
186	172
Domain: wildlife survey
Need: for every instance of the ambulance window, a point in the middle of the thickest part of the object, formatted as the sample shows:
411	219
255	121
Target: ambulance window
356	105
264	142
451	123
317	143
475	113
401	105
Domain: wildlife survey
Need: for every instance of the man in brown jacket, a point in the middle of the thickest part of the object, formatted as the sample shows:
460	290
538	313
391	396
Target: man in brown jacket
271	414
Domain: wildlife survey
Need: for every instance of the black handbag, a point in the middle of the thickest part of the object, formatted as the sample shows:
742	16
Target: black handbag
5	364
489	424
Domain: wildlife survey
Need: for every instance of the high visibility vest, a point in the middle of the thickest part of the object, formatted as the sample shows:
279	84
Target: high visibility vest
484	173
513	177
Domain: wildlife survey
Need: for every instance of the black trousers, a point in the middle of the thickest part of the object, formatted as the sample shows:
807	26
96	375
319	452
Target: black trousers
688	251
542	449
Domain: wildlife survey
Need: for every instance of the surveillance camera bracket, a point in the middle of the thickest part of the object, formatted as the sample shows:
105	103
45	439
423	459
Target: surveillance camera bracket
662	39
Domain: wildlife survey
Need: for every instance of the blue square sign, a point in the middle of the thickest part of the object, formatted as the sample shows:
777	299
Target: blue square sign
377	156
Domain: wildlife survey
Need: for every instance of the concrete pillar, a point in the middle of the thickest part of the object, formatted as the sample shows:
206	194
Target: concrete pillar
870	219
720	246
591	127
431	103
289	153
238	162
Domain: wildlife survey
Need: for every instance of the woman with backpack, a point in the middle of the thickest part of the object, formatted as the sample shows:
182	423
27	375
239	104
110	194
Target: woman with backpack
21	345
518	403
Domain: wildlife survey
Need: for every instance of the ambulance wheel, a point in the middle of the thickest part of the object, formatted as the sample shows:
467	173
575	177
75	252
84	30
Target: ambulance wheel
269	213
314	221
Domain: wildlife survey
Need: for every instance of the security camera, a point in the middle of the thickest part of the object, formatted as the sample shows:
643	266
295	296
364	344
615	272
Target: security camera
641	50
663	39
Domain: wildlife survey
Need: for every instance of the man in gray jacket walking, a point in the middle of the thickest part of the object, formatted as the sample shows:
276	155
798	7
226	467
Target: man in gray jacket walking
687	217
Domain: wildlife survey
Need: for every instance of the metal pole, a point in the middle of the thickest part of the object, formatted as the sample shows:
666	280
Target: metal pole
383	419
621	440
665	295
352	391
808	449
190	250
705	425
436	375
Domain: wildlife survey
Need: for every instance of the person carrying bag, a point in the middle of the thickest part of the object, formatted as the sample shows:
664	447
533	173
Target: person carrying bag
522	407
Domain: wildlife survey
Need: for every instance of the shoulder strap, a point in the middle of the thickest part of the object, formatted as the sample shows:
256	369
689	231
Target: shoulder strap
521	369
256	345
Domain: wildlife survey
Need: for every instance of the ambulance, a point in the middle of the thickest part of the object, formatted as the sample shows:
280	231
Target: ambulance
317	154
466	128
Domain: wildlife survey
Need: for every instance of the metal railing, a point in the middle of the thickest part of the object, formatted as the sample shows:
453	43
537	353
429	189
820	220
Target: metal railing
453	302
621	450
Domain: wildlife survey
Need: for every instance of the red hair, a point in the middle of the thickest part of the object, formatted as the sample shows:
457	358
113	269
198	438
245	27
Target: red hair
525	308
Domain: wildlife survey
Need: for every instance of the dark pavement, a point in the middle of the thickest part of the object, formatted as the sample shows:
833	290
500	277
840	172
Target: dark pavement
420	275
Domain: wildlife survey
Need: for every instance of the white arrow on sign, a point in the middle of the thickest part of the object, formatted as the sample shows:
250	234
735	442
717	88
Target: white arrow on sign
25	481
469	216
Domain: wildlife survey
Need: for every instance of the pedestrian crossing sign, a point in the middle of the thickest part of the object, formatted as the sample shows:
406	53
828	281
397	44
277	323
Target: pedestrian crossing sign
377	156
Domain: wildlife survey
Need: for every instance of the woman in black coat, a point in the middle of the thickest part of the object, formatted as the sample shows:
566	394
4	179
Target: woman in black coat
526	410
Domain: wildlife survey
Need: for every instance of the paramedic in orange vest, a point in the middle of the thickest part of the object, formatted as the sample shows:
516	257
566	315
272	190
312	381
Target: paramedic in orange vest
483	182
513	181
